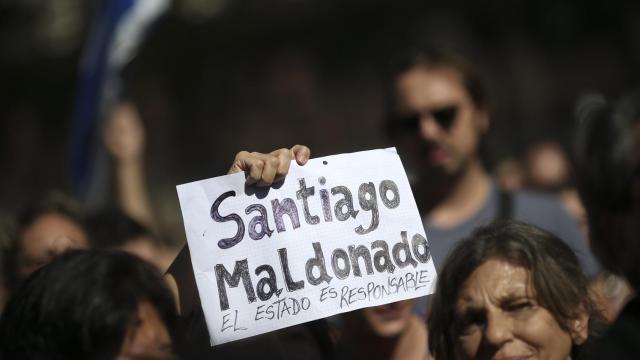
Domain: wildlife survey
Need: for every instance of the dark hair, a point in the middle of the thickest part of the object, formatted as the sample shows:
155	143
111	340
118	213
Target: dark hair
112	227
607	163
52	203
560	285
432	56
80	305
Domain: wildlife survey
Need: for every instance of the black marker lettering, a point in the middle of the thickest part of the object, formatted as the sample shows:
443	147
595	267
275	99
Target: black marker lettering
288	281
215	215
240	271
288	207
347	202
368	204
386	186
341	273
258	220
382	258
303	194
269	281
418	241
357	253
404	247
317	261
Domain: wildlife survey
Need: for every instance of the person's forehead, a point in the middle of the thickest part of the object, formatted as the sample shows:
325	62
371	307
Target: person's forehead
495	280
49	226
420	86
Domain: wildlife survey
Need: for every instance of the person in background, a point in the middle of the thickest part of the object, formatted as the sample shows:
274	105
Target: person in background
130	223
44	230
111	228
54	224
439	116
124	139
390	332
548	167
607	163
510	174
90	305
512	291
549	170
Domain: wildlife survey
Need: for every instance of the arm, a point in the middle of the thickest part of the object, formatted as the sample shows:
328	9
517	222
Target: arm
124	138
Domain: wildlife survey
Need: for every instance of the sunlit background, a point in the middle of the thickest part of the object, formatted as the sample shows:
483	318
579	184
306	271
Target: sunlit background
215	77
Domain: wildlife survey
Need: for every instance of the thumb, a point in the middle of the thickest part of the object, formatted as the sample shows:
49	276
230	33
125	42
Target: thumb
301	153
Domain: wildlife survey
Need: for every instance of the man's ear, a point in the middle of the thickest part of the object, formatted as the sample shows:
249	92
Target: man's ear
579	327
482	121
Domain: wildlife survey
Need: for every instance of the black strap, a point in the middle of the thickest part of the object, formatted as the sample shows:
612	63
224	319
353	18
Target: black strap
505	203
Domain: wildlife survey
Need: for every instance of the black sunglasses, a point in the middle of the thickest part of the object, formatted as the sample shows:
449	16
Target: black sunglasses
444	116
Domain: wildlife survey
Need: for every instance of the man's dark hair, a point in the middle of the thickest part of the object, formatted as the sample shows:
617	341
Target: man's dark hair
607	163
431	55
559	284
53	203
80	306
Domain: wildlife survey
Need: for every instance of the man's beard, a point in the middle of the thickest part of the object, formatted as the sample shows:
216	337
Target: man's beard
432	183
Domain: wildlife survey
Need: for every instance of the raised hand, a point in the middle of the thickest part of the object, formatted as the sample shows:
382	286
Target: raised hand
265	169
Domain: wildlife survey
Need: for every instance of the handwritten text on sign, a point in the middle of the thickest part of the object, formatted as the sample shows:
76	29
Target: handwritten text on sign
338	234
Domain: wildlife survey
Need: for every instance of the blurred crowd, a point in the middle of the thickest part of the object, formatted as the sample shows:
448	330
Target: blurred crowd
537	250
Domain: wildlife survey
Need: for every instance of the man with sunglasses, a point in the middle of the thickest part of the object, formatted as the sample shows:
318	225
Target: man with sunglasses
438	120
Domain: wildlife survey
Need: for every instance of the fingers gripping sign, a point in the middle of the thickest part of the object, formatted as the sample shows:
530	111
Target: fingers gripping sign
265	169
301	154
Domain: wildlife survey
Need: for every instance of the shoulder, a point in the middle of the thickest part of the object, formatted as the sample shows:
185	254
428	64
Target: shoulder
546	212
541	209
622	339
536	200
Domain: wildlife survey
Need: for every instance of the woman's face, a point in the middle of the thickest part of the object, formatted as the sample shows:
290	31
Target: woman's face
48	236
147	336
497	317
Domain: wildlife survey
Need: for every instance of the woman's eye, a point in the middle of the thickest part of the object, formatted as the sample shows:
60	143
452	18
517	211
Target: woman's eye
518	306
466	329
469	324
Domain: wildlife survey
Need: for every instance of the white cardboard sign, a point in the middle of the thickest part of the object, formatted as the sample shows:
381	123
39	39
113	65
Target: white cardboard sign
340	233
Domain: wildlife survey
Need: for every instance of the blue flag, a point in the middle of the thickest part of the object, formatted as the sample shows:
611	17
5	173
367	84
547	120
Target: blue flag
118	29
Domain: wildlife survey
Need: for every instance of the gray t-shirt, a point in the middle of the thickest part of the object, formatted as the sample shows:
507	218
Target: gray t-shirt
542	210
